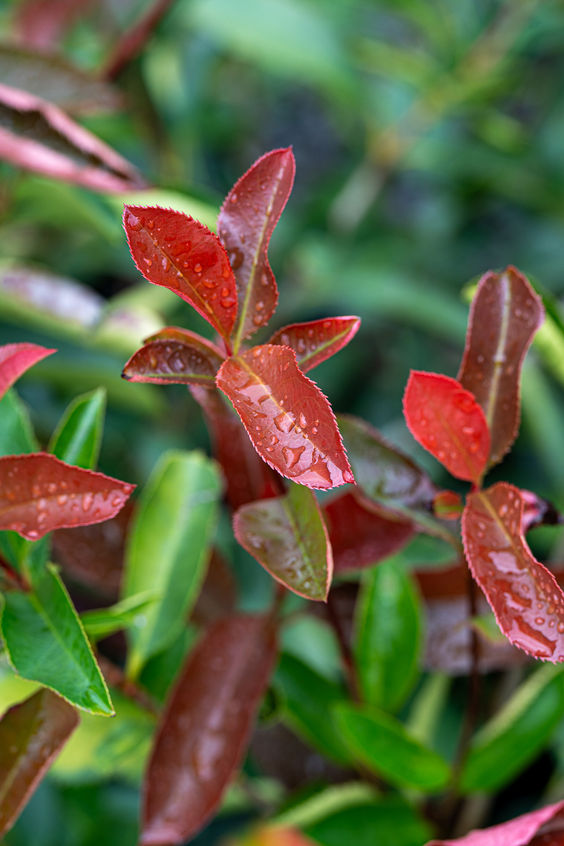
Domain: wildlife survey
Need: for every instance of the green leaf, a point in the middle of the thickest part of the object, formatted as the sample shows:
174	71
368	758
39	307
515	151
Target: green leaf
387	822
381	743
45	642
78	436
324	803
517	733
387	642
106	621
168	548
307	699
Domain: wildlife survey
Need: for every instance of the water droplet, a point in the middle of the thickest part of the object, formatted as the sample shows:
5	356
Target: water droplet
539	621
236	258
314	430
292	455
301	345
265	279
165	263
151	224
302	421
87	501
284	423
209	283
227	302
348	477
62	498
234	198
197	268
257	320
560	628
148	261
132	221
259	306
225	292
32	534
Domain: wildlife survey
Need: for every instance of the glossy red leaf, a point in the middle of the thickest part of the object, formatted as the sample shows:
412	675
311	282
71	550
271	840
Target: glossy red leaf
248	477
15	359
173	362
43	139
526	599
205	728
361	537
174	250
245	224
504	317
446	420
526	830
318	340
39	493
287	535
32	734
288	419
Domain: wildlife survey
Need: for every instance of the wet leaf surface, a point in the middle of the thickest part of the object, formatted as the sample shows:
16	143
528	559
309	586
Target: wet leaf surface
288	419
448	422
174	250
15	359
205	727
526	830
39	493
318	340
173	362
245	224
32	734
288	537
526	599
504	317
361	537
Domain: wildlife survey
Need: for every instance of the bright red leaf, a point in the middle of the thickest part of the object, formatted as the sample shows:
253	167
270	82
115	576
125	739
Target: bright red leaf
245	224
446	420
43	139
39	493
504	317
288	419
526	599
32	734
205	728
287	535
15	359
174	250
318	340
173	362
527	830
361	537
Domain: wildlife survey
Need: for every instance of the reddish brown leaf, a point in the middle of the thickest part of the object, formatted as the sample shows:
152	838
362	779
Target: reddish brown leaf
288	537
186	336
446	420
32	734
504	317
38	136
39	493
15	359
288	419
248	477
318	340
525	597
361	537
173	362
526	830
245	224
205	728
538	511
218	595
42	23
174	250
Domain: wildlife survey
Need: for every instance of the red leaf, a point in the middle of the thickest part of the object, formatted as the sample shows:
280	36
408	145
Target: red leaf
39	493
174	250
318	340
174	362
446	420
246	221
525	597
32	734
288	419
361	537
205	728
42	23
218	595
447	505
504	317
44	139
287	536
248	477
517	832
15	359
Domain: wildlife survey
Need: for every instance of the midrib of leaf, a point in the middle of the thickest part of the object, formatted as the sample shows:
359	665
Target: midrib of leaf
15	769
483	496
242	316
299	538
499	358
334	340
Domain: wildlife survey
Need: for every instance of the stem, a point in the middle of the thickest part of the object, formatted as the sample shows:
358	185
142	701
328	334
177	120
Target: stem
131	44
344	648
16	581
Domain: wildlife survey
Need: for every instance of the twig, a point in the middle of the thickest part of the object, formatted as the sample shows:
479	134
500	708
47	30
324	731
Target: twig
131	44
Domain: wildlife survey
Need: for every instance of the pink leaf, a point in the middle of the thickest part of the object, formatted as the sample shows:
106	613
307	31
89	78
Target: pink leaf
174	250
288	419
318	340
504	317
525	597
361	537
446	420
245	224
41	23
171	361
32	734
39	493
287	536
15	359
205	728
527	830
43	139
